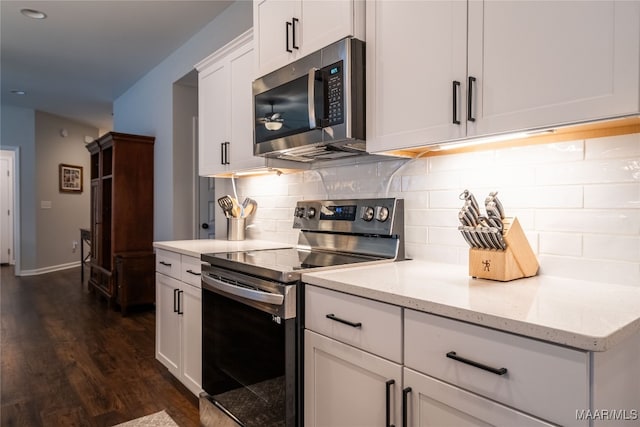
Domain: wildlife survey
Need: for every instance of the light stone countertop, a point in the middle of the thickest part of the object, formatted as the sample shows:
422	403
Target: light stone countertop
585	315
196	248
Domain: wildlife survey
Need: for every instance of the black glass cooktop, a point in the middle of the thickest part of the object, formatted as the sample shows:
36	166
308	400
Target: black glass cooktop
286	264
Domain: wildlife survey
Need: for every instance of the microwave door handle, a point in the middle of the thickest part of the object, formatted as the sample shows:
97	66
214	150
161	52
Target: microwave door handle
312	95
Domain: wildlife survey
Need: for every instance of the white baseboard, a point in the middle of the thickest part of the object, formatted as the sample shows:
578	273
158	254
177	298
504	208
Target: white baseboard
49	269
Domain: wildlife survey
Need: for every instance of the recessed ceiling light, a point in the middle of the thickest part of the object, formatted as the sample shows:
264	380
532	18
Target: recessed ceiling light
18	92
32	13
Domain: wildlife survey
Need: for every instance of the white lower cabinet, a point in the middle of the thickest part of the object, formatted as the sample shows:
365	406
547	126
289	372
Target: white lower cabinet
345	386
352	360
179	318
543	379
433	403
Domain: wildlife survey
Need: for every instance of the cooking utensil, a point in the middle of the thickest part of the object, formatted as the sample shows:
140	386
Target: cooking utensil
226	203
236	210
249	206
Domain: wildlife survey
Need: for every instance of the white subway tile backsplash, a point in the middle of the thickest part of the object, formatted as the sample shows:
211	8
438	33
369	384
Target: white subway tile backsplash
623	248
578	201
590	172
600	221
612	196
610	147
625	273
566	244
547	153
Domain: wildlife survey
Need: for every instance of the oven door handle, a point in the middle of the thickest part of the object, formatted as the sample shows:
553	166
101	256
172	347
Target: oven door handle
251	294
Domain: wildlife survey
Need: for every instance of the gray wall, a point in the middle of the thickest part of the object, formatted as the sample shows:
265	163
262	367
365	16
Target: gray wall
46	235
18	130
147	109
59	226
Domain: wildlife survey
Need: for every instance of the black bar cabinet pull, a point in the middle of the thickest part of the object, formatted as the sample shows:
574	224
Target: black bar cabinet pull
193	272
222	153
293	33
497	371
175	300
456	86
388	387
289	24
180	302
346	322
470	117
405	404
166	264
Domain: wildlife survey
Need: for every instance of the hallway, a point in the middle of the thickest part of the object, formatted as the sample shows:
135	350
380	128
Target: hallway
68	360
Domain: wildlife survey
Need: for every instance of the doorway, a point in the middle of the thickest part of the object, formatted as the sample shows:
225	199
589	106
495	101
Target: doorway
7	206
194	210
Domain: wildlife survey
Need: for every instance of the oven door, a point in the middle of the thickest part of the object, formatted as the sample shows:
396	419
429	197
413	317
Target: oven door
249	348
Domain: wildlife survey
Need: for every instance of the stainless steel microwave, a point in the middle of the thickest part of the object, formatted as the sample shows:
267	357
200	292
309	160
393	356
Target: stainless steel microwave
313	108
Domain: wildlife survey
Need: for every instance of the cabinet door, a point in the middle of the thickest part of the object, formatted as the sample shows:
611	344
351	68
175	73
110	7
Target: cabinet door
345	386
213	118
191	345
241	101
549	63
273	34
326	22
415	52
433	403
167	324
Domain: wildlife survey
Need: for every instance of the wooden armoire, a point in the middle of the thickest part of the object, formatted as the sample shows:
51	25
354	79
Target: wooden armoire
122	261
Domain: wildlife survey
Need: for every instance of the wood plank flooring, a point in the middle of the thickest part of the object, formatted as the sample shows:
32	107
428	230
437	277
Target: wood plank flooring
68	360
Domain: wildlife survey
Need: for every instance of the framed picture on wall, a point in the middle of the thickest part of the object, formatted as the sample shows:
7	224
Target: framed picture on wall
70	178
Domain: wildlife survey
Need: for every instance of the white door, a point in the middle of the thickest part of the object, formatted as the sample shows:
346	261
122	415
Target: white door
206	208
552	62
167	323
191	309
6	207
346	387
433	403
416	50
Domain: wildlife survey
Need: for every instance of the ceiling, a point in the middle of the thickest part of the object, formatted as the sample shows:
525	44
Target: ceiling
86	54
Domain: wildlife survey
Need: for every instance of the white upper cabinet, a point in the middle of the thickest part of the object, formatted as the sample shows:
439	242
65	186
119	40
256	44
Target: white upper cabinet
551	63
225	103
287	30
530	65
415	51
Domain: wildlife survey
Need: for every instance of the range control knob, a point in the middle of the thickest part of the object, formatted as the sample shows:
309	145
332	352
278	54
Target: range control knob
367	213
299	212
382	213
311	212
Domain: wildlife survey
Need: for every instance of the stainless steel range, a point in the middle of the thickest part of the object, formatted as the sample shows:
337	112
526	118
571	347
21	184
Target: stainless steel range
252	313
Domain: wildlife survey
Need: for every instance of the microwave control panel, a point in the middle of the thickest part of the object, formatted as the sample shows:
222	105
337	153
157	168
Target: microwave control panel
335	93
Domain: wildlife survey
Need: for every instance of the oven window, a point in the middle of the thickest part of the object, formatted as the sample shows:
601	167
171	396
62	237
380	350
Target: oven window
244	360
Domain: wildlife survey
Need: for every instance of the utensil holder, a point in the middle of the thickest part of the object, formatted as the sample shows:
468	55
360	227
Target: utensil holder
236	228
515	262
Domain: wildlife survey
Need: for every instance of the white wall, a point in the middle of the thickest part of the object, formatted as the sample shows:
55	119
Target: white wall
147	108
579	202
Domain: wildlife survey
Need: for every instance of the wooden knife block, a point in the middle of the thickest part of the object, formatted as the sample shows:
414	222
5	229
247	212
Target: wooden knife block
515	262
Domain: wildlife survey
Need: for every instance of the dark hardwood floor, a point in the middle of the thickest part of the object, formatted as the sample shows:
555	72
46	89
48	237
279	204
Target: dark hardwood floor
68	360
